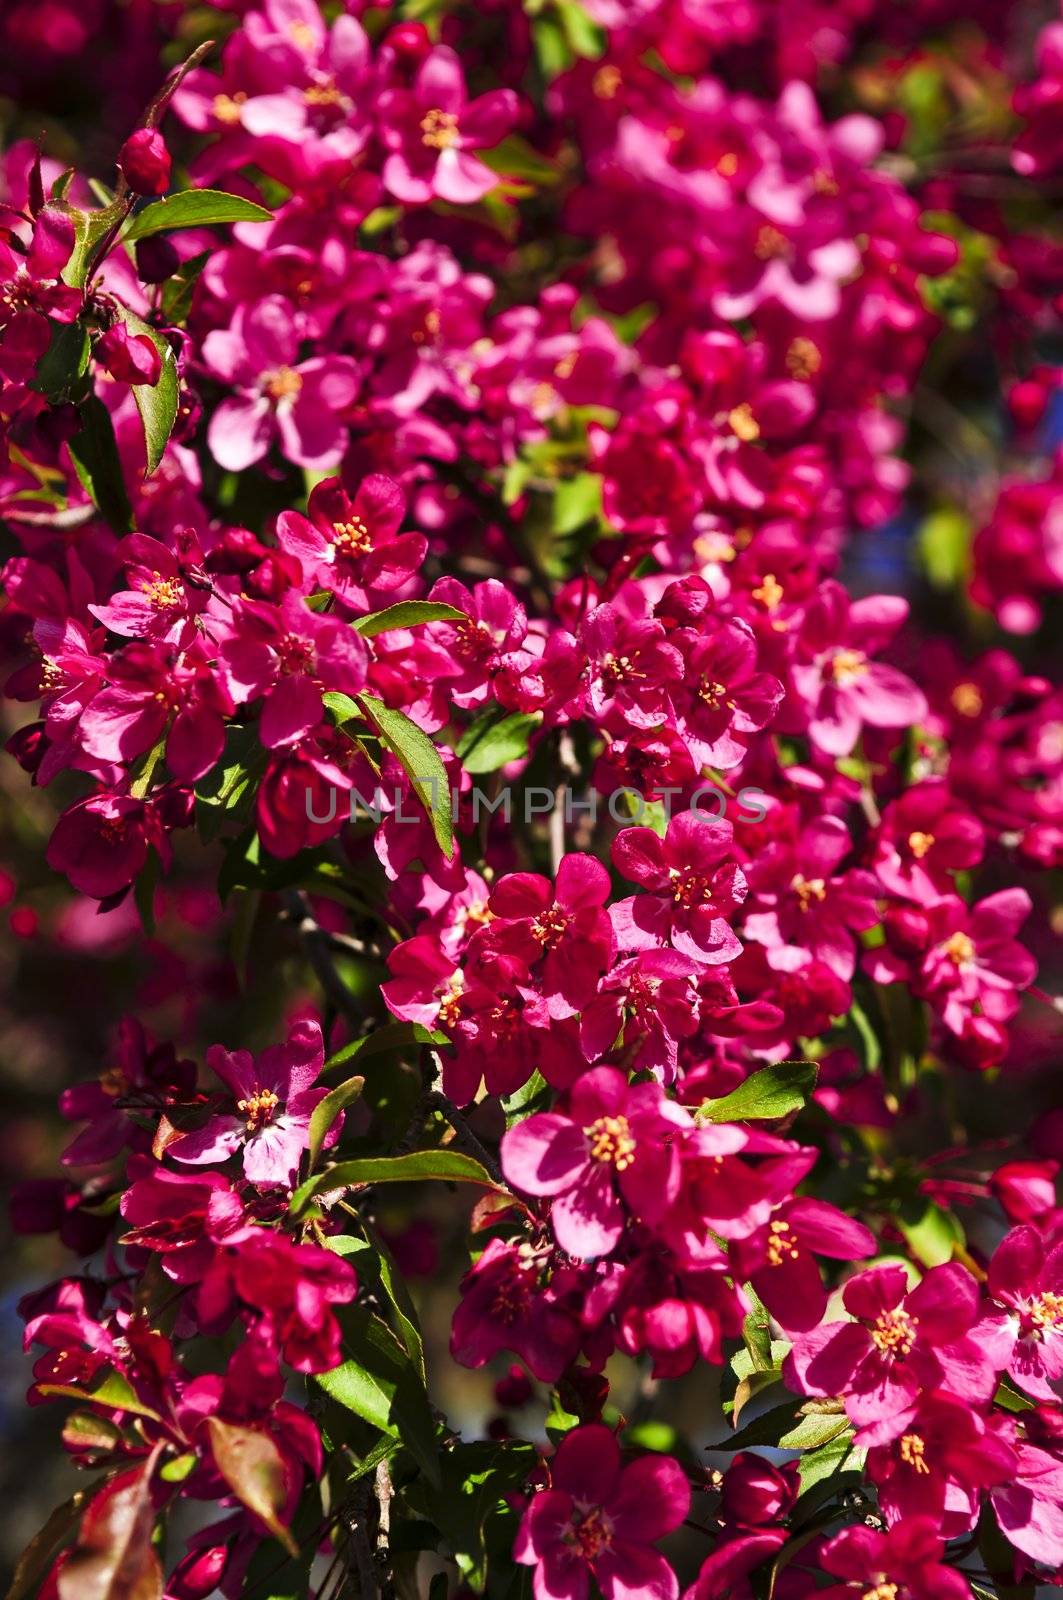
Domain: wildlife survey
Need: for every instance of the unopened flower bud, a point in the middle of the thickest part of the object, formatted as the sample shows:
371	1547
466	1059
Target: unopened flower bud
145	162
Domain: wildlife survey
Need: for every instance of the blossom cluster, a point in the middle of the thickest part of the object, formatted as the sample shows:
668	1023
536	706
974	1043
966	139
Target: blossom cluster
442	401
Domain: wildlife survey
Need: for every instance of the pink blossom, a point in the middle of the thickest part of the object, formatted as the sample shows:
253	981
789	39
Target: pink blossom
431	129
269	1123
600	1519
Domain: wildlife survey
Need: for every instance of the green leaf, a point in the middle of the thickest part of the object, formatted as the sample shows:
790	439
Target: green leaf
193	208
1009	1398
749	1388
394	1286
576	501
98	466
114	1393
327	1110
932	1232
788	1428
178	290
514	157
253	1467
421	762
65	362
408	614
944	545
380	1384
487	745
157	403
772	1092
392	1036
445	1166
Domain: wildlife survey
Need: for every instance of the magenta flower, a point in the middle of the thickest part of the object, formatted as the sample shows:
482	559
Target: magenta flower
653	997
301	403
778	1258
926	836
613	1152
431	129
141	1077
269	1123
509	1303
351	544
939	1466
290	654
563	925
159	603
839	686
693	884
898	1345
1026	1278
600	1519
101	843
906	1559
32	282
800	901
727	696
632	667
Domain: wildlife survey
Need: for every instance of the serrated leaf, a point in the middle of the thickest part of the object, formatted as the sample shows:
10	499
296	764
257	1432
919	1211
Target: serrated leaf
486	745
98	465
447	1166
193	208
253	1467
772	1092
408	614
327	1110
157	402
422	763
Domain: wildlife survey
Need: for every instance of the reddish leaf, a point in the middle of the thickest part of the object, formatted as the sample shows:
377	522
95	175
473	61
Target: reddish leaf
252	1466
113	1558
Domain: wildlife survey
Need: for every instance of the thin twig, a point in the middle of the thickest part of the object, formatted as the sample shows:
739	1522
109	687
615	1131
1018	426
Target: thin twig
315	942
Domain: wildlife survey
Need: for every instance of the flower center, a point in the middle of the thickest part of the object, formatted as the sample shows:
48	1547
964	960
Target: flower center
283	384
769	593
808	890
113	1082
959	947
920	843
450	999
226	107
688	888
913	1453
881	1591
548	929
611	1142
591	1533
607	81
474	641
847	665
615	669
894	1332
782	1243
51	674
803	359
967	699
439	129
258	1108
770	243
164	593
322	94
743	423
711	693
295	655
352	538
1046	1311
